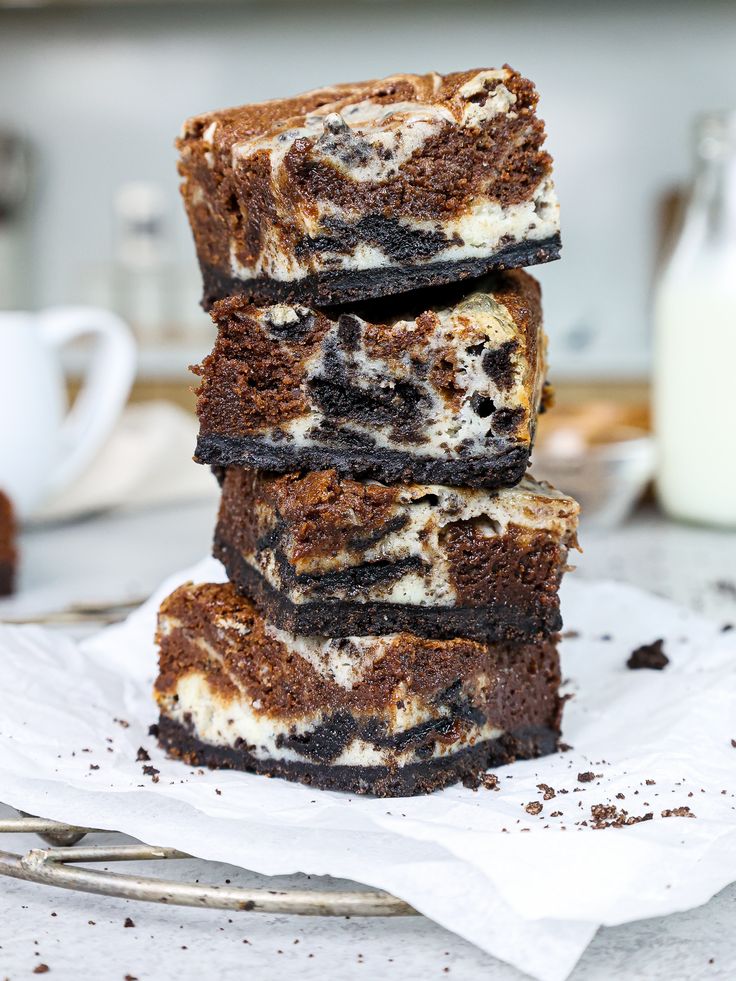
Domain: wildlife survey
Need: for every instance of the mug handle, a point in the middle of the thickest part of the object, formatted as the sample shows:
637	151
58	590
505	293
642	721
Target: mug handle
105	389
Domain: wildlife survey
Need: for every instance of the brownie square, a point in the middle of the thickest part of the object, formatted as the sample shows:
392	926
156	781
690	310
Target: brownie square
323	555
391	716
440	386
370	188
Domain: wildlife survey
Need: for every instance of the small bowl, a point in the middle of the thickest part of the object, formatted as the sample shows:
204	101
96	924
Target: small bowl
607	478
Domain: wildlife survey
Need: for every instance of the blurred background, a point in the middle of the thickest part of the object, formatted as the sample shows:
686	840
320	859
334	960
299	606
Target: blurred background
93	94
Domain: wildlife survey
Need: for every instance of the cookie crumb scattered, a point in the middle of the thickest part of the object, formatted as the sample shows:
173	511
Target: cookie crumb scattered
586	777
41	969
547	792
534	807
678	812
142	755
607	816
650	656
152	772
128	923
489	781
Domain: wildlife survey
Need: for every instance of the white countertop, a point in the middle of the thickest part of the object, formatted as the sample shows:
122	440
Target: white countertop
126	555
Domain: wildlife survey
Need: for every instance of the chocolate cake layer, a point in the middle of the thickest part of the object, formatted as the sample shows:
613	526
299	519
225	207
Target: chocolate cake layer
8	550
370	188
389	715
324	555
442	386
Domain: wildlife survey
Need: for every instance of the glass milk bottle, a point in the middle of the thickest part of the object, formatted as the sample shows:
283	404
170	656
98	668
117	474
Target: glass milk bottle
695	341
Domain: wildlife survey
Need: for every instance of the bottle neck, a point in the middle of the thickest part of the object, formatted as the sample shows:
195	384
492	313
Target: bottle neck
713	198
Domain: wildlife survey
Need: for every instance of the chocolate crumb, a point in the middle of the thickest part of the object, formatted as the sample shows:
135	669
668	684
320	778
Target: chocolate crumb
547	791
41	969
534	807
556	814
607	816
94	766
733	743
620	796
123	723
152	772
726	627
489	781
570	634
153	730
603	812
130	977
128	922
650	783
678	812
142	755
649	656
586	777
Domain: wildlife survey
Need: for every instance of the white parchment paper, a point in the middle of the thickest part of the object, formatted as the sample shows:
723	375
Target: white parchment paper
529	888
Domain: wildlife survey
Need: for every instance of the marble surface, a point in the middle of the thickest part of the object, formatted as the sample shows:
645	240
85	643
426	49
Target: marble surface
115	556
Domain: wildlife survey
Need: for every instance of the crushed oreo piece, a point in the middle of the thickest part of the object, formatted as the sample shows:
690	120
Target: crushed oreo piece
547	791
678	812
649	656
587	777
534	807
142	755
608	816
152	772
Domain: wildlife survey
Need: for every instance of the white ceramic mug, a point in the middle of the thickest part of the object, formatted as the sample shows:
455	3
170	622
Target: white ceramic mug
44	447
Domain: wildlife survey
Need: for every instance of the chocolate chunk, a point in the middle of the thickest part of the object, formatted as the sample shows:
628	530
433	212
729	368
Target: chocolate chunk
649	656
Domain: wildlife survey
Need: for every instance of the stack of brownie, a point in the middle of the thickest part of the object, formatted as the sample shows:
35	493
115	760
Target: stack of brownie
391	617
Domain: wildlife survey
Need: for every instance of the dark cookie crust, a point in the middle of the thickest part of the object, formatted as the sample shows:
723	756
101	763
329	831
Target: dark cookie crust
338	619
504	468
415	778
334	287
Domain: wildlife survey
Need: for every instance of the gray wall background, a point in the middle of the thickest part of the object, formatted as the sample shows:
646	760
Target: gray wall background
102	92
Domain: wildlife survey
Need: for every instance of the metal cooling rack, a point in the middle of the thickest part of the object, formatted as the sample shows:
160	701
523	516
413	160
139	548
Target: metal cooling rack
59	865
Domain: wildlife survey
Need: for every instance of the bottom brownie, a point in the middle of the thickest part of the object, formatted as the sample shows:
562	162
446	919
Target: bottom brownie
466	766
387	715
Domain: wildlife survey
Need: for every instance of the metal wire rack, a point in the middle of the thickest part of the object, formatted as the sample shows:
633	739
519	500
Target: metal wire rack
59	865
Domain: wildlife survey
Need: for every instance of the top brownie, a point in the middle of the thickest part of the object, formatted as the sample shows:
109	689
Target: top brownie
371	188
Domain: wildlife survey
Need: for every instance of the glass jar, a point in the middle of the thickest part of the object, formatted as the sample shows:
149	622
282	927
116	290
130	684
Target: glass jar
695	341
